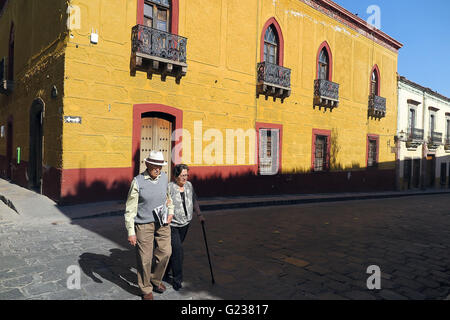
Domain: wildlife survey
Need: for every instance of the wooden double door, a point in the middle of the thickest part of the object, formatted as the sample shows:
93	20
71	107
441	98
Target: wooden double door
156	134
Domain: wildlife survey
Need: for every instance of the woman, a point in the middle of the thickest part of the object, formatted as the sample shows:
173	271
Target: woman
185	203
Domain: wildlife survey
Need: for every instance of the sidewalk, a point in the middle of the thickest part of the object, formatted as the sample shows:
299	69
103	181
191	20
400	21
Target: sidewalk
24	203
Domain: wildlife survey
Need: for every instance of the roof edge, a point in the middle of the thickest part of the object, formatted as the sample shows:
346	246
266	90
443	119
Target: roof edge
356	22
422	88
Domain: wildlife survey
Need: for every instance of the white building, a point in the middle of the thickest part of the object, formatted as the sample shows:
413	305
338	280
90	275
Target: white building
423	137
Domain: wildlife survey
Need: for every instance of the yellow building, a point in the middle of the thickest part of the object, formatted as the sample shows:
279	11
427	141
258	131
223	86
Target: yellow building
256	96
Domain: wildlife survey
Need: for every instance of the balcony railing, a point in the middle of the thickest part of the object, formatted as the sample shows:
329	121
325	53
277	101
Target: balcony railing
415	138
415	134
434	140
158	52
326	93
273	80
377	106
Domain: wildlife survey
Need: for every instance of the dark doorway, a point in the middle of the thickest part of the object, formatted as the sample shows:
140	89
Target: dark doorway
9	147
431	170
36	134
416	173
443	174
407	173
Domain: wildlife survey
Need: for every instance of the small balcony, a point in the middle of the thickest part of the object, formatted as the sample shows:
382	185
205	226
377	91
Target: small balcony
158	52
447	144
414	138
273	80
434	140
6	86
377	106
326	93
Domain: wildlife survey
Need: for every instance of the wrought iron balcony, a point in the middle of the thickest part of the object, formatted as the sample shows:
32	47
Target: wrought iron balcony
158	52
447	144
377	106
415	138
434	140
326	93
415	134
6	86
273	80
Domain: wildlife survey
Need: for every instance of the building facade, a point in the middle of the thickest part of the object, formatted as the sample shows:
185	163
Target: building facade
257	97
423	133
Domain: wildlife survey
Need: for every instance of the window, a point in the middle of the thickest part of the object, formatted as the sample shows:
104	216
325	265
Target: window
372	153
271	45
157	14
323	66
372	150
269	146
321	154
411	121
432	123
447	132
320	150
374	83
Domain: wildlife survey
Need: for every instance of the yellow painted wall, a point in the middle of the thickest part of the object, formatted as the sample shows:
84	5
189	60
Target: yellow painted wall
38	65
220	85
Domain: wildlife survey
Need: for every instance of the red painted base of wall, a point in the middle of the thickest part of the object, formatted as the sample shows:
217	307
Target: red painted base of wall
296	183
71	186
95	184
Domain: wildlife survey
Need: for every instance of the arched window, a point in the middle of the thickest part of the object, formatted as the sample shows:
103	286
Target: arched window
271	45
375	81
157	14
323	64
11	54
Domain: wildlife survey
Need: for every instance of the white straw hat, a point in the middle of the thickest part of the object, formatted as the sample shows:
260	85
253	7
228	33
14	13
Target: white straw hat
156	157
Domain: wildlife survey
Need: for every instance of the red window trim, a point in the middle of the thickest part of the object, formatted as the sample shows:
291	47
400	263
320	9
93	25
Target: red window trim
174	14
320	132
330	57
274	22
372	137
262	125
375	68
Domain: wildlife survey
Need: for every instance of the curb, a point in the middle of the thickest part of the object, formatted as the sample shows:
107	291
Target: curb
267	203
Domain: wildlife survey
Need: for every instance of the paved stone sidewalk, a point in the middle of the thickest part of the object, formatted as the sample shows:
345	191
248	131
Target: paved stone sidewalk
309	251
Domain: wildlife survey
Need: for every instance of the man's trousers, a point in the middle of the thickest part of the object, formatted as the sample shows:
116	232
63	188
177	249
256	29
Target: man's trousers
146	235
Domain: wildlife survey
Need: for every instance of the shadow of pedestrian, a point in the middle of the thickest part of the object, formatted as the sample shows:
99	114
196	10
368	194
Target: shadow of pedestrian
116	268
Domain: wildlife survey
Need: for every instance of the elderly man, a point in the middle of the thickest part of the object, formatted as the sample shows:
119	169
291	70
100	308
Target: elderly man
148	194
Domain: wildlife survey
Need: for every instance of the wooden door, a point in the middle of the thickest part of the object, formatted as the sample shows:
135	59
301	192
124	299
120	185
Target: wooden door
156	135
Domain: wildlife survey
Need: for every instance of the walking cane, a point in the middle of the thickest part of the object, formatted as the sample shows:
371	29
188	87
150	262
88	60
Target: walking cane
207	251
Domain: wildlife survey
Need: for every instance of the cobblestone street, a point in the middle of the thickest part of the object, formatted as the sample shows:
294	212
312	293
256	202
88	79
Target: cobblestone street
309	251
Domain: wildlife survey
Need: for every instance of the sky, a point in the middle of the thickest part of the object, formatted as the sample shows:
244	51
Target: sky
423	27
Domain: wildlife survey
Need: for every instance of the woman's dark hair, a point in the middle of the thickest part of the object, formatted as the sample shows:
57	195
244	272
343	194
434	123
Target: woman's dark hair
179	168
